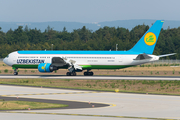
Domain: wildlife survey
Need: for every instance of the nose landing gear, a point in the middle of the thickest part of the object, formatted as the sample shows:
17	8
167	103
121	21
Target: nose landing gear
15	71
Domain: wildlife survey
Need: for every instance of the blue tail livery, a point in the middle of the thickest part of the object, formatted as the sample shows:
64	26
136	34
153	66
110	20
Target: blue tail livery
148	41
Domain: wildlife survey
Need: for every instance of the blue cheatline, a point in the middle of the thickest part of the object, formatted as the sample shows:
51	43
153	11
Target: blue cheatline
141	46
80	52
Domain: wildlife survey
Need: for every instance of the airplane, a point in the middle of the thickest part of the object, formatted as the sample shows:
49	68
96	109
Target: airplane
78	61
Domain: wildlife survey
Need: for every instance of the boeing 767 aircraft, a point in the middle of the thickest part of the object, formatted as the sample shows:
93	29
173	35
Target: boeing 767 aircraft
77	61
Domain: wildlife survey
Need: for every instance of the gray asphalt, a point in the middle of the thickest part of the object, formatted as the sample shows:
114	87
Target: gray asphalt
93	77
122	105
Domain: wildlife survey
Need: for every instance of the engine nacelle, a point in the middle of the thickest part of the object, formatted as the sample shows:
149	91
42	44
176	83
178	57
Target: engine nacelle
45	67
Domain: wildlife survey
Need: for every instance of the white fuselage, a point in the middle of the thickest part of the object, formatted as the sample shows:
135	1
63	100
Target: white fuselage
15	58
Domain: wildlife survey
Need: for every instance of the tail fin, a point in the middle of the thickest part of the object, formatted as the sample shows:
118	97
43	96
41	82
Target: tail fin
148	41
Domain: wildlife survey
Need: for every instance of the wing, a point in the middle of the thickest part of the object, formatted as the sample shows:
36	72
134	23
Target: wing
58	62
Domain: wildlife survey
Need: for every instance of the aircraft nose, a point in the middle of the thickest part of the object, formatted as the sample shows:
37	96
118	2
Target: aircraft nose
5	60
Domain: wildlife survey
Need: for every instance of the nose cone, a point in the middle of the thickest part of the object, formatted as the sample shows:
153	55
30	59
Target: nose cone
5	60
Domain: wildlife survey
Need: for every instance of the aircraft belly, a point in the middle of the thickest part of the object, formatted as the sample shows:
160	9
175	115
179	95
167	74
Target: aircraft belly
104	66
35	66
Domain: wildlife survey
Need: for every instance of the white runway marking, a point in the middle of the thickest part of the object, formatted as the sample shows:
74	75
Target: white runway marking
94	77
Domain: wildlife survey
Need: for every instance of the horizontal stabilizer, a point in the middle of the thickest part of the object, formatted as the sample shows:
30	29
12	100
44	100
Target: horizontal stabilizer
166	55
142	57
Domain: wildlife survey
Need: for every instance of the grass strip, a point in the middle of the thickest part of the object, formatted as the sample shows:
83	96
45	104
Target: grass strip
163	87
22	105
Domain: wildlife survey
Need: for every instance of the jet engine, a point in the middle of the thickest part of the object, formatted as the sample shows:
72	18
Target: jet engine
45	67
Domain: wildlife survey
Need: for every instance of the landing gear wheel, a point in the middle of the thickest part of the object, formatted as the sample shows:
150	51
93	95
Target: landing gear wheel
91	73
15	73
85	73
88	73
71	73
68	74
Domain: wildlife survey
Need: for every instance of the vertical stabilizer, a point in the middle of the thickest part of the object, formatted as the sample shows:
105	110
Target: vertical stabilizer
148	41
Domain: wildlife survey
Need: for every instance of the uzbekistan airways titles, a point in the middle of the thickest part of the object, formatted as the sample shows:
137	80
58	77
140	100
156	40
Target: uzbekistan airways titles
29	61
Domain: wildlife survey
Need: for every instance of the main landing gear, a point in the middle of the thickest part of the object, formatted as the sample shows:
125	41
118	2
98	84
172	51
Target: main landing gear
15	71
71	73
85	73
88	73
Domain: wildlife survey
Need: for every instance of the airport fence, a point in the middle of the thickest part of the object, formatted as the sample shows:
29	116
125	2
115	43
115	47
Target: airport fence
166	62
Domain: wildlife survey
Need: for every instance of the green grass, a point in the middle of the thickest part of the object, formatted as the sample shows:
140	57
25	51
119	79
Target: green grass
6	70
21	105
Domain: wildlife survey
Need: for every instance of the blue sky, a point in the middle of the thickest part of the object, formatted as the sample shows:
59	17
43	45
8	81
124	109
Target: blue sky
87	11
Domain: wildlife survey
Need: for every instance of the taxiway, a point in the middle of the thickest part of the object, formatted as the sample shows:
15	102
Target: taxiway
122	105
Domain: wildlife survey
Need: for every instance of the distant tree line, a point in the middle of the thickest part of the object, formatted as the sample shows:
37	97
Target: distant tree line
104	38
